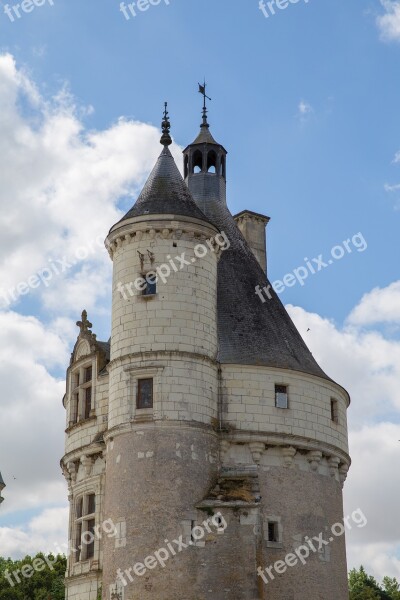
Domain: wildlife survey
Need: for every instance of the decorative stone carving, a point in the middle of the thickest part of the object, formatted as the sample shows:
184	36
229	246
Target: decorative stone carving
288	455
256	449
87	463
71	466
333	465
343	470
314	458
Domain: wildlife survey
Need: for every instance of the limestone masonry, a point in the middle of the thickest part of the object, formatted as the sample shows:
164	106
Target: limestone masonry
203	441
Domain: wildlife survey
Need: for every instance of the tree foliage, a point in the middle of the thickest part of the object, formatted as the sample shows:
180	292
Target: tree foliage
364	587
43	580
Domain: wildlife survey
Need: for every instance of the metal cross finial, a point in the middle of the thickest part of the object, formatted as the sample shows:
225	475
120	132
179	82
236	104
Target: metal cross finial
203	92
84	325
166	126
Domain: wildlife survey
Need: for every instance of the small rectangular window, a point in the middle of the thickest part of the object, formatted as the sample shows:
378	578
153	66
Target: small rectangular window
88	374
281	396
273	531
145	393
88	402
76	379
334	411
151	284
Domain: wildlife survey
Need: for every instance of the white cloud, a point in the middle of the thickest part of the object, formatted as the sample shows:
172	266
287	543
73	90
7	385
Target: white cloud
368	366
45	533
389	22
364	362
60	185
374	487
32	415
381	305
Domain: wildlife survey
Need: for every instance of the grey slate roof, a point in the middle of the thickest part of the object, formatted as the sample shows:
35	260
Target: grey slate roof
105	346
2	484
165	192
250	332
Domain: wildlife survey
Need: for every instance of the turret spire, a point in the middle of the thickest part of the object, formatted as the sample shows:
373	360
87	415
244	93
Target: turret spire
166	126
202	91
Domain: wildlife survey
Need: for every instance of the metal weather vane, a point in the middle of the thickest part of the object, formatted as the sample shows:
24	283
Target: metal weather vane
203	92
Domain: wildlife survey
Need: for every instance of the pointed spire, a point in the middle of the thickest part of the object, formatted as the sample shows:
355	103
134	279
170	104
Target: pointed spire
166	126
203	92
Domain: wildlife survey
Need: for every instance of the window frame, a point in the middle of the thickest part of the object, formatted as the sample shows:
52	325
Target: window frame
335	411
140	381
286	393
84	523
82	379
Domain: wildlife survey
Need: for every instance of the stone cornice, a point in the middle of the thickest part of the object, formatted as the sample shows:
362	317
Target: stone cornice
154	227
157	354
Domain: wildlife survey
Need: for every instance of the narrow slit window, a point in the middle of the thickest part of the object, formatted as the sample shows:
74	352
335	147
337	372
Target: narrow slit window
88	402
145	393
334	411
281	396
273	531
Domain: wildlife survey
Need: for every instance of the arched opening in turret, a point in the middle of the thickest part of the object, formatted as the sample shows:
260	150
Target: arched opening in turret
197	162
223	171
212	162
186	166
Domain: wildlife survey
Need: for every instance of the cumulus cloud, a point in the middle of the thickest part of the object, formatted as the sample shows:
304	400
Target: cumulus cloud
389	22
32	416
364	362
60	185
381	305
368	366
45	533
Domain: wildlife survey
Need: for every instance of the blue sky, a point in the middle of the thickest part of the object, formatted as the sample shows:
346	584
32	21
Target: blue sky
306	102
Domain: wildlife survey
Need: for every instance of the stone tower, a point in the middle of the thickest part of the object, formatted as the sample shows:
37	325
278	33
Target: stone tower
210	439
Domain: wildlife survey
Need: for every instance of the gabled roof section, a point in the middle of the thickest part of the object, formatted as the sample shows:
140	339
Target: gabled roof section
165	192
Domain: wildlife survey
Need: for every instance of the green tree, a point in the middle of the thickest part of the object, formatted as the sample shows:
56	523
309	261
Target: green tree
392	587
364	587
43	583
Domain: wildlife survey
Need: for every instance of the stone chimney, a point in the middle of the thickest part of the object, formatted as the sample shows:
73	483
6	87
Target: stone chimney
252	226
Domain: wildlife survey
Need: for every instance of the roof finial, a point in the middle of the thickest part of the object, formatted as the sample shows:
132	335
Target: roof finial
84	325
166	126
202	91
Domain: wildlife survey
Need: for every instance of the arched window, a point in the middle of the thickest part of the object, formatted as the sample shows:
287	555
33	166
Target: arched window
223	172
212	162
186	166
197	162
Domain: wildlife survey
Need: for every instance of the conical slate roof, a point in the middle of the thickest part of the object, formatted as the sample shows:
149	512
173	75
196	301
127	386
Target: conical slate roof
251	332
2	484
165	192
